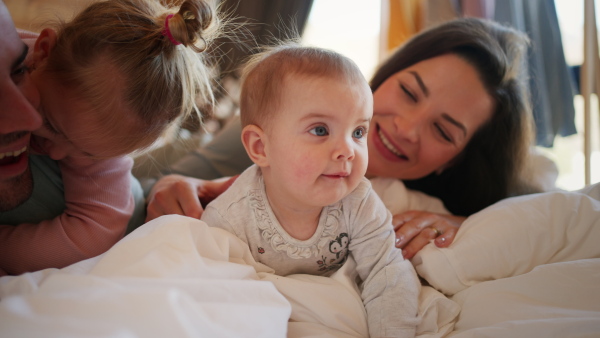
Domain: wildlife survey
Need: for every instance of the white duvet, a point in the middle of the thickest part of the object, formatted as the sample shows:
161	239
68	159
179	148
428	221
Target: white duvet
526	267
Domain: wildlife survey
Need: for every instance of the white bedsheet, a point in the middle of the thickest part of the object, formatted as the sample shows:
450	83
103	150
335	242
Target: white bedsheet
175	276
526	267
553	300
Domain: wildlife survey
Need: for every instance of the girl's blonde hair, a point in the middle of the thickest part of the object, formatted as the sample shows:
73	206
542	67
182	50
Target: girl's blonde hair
161	81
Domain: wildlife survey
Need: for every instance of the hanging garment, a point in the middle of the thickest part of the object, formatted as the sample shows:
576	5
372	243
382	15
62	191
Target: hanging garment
478	8
405	19
551	84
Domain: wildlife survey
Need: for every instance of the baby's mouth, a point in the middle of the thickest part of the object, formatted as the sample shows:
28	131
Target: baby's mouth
11	156
389	146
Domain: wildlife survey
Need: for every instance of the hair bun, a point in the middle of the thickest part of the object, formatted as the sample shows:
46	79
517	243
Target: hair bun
192	23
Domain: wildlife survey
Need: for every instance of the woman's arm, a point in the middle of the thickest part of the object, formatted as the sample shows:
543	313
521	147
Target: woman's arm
224	156
99	204
187	189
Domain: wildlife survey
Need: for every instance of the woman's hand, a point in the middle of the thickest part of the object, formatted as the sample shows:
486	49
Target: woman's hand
176	194
414	229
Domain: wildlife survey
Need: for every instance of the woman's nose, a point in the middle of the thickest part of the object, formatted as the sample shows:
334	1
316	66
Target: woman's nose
409	125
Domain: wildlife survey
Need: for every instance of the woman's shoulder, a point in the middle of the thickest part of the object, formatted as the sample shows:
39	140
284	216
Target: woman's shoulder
397	198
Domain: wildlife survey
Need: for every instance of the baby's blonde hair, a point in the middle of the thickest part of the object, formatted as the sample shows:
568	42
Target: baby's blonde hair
266	73
162	82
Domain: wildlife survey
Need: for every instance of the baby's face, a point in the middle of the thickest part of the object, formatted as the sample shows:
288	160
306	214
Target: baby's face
72	128
317	144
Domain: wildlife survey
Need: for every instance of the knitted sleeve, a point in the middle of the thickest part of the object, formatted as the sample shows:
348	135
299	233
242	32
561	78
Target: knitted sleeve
390	286
99	203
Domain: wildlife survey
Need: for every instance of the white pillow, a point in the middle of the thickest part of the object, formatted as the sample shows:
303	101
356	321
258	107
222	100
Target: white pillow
512	237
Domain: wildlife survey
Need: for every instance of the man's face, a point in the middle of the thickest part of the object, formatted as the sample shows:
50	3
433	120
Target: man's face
17	116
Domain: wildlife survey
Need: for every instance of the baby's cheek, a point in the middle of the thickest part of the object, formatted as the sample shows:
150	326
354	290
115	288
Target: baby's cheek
302	173
307	166
361	162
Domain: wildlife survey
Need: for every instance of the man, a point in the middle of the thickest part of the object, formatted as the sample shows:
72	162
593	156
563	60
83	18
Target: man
31	187
17	117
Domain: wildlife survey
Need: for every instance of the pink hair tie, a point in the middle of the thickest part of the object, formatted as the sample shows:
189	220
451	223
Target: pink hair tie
167	32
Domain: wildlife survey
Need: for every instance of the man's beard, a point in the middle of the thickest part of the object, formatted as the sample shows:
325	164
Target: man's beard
16	191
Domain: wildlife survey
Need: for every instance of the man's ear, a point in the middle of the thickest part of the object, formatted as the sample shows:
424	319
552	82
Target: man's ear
255	142
44	45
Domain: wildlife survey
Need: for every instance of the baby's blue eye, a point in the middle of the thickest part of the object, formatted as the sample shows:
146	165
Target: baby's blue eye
319	131
358	133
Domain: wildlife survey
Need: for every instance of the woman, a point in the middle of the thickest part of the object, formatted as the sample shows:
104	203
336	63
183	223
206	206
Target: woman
451	119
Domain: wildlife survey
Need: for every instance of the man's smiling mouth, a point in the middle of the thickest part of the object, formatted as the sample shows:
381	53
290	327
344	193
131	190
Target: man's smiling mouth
11	156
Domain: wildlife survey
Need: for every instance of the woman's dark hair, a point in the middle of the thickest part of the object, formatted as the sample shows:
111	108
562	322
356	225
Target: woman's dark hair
490	167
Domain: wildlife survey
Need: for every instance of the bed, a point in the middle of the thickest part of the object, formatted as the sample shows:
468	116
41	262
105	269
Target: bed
525	267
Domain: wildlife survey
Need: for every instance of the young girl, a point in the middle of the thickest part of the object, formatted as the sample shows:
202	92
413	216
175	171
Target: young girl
108	83
305	205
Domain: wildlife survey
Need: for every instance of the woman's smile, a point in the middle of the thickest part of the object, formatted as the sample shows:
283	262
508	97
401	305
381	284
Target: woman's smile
386	147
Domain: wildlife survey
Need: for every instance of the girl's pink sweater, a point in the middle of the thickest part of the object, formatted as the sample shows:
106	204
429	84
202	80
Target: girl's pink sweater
99	204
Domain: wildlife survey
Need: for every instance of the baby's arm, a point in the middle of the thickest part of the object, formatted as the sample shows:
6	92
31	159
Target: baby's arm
99	204
390	287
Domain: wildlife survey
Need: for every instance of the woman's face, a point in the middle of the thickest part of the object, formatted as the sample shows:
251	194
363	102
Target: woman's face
424	116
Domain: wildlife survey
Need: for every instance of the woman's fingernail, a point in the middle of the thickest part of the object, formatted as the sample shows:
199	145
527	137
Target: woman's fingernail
399	240
440	240
404	253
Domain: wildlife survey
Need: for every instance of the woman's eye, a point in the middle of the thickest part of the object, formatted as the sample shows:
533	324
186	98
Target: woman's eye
319	131
407	92
444	135
359	133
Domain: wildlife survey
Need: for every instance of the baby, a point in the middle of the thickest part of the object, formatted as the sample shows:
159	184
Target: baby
107	83
305	205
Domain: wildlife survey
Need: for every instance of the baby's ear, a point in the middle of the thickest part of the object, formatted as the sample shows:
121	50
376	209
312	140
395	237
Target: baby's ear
44	45
254	140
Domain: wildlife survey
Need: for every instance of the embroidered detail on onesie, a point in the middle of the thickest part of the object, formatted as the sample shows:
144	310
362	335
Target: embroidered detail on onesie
339	247
261	250
271	231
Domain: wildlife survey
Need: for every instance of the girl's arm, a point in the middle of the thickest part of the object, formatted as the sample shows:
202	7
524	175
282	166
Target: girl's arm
99	205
